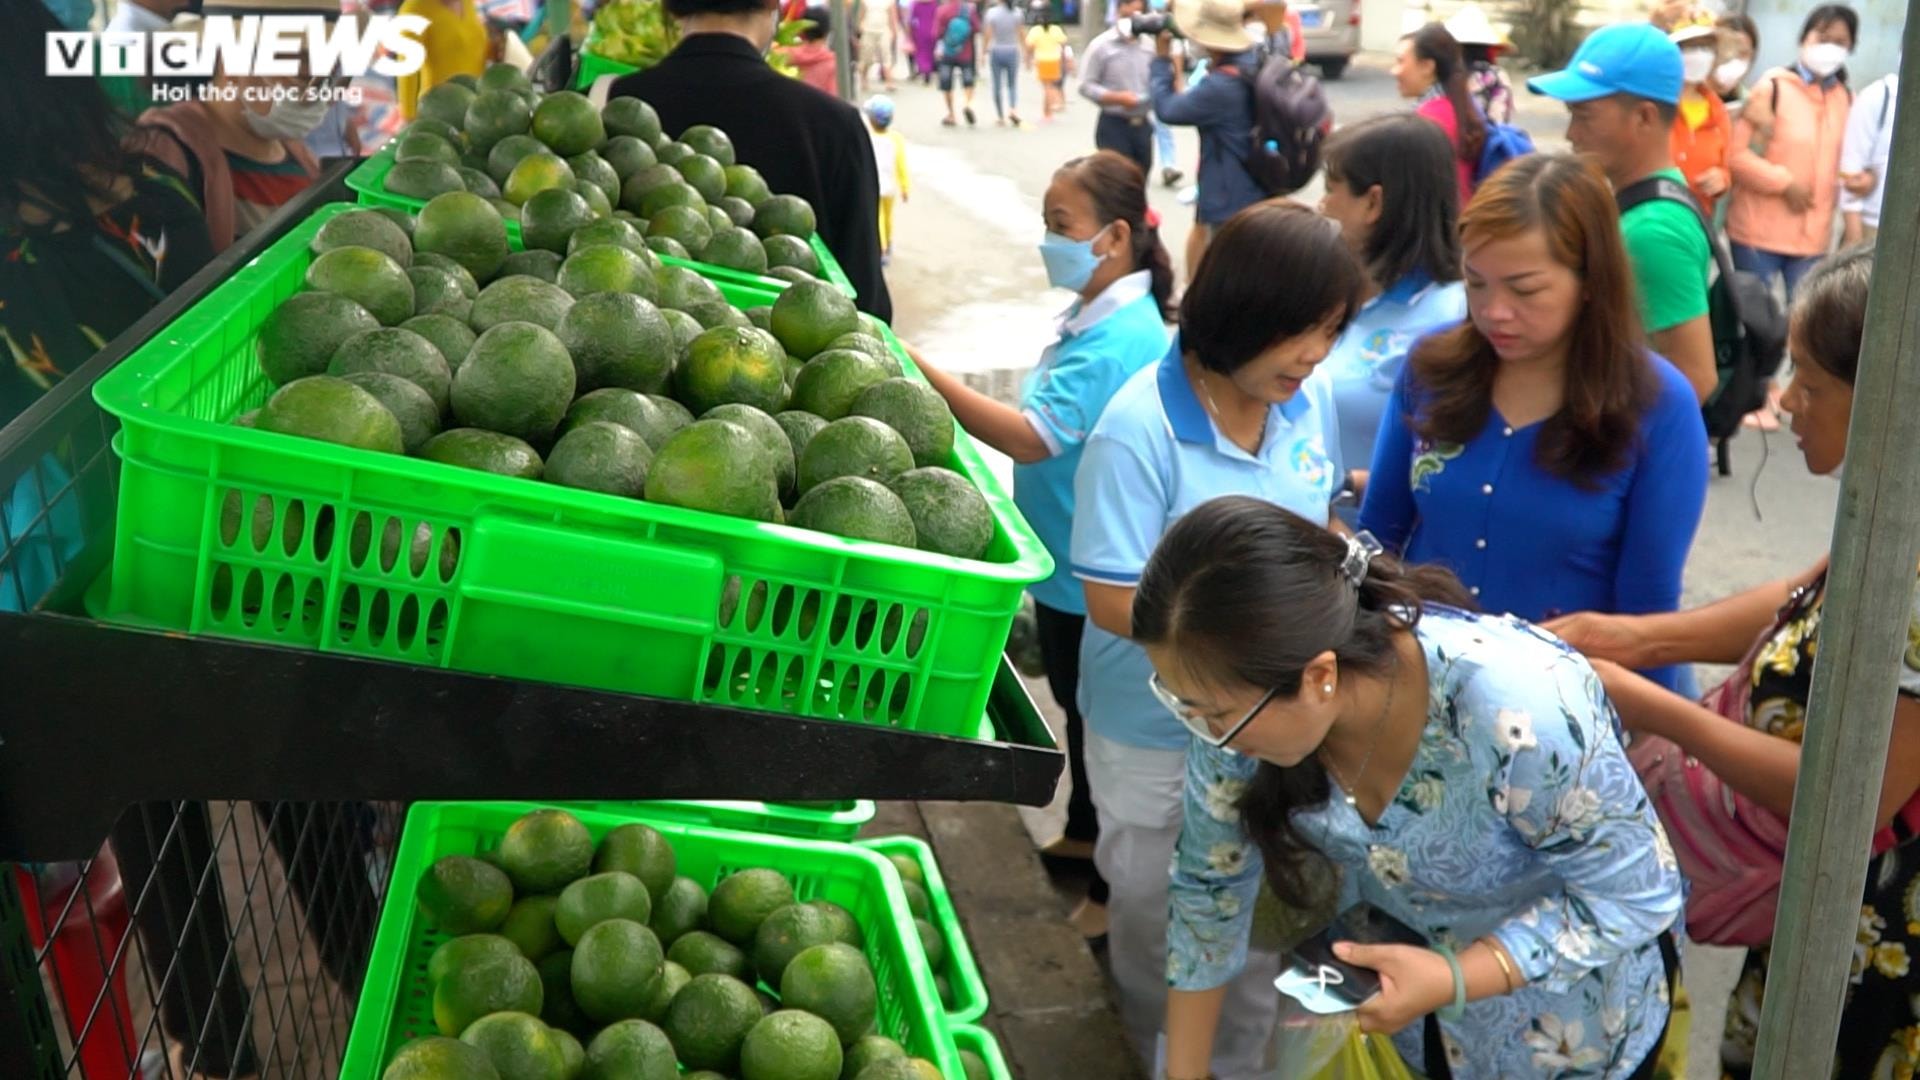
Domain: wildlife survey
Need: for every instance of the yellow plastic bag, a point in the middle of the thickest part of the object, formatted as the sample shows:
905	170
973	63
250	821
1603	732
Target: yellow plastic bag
1316	1047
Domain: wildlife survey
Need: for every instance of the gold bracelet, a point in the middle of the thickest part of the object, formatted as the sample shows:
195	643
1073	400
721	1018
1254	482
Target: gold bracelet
1500	957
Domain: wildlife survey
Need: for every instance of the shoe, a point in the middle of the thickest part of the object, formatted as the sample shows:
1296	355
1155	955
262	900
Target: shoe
947	121
968	113
1066	847
1171	177
1090	919
1014	120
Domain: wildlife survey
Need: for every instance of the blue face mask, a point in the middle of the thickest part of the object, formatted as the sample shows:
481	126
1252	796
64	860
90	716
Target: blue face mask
1070	262
1156	5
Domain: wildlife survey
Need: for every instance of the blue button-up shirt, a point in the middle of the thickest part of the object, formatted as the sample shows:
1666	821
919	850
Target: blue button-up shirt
1101	345
1221	107
1154	455
1532	543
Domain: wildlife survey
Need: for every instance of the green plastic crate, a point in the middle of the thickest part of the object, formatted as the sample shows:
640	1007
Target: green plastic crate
963	975
394	1005
369	183
593	66
981	1041
838	821
517	577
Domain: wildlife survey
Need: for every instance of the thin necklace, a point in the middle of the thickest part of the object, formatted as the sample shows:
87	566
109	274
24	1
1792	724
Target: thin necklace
1372	745
1219	417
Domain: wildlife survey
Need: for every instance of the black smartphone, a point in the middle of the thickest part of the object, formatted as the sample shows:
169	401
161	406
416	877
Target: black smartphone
1363	924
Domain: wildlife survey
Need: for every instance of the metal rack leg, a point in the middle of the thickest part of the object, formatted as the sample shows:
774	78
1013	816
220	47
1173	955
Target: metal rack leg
29	1047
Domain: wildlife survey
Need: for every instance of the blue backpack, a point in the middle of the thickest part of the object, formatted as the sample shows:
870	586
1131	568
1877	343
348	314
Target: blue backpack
959	30
1504	143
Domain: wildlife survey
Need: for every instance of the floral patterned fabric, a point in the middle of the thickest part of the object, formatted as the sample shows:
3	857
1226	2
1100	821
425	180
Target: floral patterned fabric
1519	817
65	293
1880	1029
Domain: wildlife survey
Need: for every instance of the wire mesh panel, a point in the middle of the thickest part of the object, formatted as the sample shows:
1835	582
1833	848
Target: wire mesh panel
205	940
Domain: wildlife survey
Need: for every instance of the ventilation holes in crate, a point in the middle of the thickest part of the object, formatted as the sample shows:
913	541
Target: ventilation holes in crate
766	680
743	605
820	700
903	630
426	547
796	613
259	524
793	681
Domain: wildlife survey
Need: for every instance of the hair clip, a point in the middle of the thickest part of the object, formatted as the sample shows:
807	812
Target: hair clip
1361	548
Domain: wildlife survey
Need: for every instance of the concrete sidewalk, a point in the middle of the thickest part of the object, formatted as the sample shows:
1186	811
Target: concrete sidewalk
1050	1006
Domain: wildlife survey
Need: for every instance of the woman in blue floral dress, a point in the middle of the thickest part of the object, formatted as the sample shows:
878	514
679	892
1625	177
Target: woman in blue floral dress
1357	737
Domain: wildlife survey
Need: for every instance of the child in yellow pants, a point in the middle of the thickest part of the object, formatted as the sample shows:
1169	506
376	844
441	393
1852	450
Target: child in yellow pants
890	158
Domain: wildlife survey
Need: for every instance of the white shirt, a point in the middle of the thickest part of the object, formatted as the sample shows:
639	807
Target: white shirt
1868	144
130	17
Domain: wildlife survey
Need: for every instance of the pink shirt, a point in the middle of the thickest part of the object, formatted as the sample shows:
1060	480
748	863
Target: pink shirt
815	61
1440	111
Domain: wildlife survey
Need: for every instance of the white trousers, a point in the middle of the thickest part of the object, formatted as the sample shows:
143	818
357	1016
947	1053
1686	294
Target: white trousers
1137	793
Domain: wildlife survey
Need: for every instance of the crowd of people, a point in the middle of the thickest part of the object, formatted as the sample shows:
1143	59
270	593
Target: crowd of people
1367	586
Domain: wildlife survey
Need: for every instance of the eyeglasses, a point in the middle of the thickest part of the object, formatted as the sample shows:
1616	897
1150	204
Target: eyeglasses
1195	722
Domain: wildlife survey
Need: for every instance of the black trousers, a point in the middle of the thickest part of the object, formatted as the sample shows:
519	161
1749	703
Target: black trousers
1128	138
1060	652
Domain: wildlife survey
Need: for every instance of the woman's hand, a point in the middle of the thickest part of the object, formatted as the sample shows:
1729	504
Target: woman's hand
1163	45
1799	198
1603	637
1713	182
1859	183
1413	982
1635	697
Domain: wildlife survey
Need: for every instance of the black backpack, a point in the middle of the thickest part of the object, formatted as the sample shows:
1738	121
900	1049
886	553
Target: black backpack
1291	118
1749	328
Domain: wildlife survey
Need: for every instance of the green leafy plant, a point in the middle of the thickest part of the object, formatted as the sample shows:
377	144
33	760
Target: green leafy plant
641	33
636	32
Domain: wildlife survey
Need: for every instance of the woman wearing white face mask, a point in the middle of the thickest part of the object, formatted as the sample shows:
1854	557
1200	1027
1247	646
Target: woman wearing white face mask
1701	127
1739	39
240	147
1786	153
1102	245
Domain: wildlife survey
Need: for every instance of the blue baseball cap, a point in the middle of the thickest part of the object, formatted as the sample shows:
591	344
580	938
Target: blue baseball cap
1626	58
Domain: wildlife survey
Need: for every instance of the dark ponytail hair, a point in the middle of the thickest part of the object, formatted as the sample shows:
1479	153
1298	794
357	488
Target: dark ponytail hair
1118	190
1248	593
1434	42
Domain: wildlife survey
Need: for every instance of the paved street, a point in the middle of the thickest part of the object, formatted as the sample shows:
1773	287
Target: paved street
968	288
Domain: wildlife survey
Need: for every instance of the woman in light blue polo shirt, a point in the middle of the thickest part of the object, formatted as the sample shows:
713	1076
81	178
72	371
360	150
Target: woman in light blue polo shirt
1234	408
1391	185
1101	244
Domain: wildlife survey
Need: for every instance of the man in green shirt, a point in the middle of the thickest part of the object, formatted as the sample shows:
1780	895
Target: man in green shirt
1622	88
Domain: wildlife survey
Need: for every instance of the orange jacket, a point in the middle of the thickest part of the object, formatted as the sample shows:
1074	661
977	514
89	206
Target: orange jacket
1697	150
1802	144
